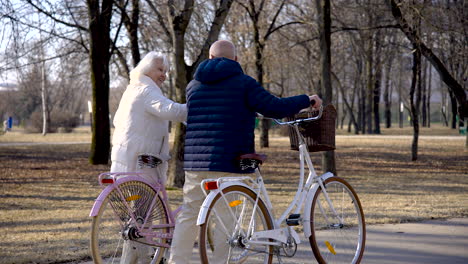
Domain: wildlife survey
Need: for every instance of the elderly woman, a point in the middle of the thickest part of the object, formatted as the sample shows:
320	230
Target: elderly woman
141	127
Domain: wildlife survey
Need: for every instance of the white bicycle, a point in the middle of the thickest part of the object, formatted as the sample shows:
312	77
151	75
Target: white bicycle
237	223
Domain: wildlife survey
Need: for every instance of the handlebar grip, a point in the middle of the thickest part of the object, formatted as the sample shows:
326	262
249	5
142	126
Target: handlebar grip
312	102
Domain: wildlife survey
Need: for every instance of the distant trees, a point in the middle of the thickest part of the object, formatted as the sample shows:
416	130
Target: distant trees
413	33
373	47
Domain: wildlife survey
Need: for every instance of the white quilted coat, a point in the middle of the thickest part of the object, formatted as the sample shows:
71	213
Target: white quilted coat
141	124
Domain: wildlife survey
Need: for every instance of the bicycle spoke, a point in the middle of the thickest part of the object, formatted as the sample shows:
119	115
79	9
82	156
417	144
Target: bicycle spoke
337	231
240	206
130	211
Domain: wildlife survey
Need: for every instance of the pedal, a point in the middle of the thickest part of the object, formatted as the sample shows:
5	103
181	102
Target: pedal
293	220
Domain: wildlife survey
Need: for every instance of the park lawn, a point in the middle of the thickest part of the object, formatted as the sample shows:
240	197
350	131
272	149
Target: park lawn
82	134
47	190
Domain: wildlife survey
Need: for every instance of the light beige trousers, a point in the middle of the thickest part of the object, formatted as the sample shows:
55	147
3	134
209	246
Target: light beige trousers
186	230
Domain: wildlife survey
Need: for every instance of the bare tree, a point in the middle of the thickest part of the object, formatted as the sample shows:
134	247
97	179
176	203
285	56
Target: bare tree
100	15
324	27
131	24
388	91
45	105
415	101
257	12
445	75
98	30
175	25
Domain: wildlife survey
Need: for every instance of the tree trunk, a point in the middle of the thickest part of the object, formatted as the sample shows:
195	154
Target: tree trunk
99	54
176	175
349	107
415	102
45	106
424	95
131	24
358	82
264	123
453	103
369	88
400	100
362	106
184	73
324	25
429	94
377	83
388	94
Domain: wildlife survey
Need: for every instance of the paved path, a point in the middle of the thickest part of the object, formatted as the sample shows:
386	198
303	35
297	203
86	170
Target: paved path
429	242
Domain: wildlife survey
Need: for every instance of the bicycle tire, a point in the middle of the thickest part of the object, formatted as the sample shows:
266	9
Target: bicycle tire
332	241
232	243
113	220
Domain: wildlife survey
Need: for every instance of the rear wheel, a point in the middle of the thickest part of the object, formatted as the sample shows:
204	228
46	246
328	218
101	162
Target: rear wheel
340	237
227	241
114	230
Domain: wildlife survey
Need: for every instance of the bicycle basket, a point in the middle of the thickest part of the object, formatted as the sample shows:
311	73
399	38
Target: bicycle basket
319	135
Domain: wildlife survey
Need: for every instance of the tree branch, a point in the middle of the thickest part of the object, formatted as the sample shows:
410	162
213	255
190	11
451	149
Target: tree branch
273	21
216	25
445	75
48	32
41	60
114	45
281	26
45	12
160	19
338	29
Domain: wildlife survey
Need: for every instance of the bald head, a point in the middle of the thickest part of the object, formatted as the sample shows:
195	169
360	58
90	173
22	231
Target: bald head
223	48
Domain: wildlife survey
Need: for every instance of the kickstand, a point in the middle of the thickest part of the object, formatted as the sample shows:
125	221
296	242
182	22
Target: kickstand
280	261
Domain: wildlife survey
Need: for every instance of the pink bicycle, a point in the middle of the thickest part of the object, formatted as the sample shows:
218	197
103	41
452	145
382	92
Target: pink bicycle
131	208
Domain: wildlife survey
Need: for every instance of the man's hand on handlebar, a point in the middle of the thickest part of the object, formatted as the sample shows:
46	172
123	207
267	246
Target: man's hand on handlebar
315	101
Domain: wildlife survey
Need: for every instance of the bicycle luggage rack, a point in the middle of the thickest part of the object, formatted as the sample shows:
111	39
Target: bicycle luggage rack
111	177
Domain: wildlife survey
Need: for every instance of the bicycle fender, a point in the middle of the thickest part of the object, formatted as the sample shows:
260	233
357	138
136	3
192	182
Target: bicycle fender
203	213
308	204
102	196
98	202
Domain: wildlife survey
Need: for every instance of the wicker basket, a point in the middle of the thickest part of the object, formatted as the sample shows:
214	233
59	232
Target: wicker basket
319	135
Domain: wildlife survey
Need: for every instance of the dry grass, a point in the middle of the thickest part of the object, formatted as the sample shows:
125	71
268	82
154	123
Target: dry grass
47	190
80	134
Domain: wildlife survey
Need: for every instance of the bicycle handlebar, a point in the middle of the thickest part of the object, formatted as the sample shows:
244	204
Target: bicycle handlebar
297	121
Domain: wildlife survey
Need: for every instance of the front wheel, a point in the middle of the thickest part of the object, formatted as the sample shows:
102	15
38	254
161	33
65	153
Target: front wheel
339	236
129	209
233	217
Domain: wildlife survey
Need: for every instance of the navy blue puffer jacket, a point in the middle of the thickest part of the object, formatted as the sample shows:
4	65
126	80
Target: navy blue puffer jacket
222	102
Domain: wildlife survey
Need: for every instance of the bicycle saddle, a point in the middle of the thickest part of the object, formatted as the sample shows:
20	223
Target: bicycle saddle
251	161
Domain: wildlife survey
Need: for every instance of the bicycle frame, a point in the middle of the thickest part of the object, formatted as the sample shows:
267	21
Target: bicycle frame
112	181
304	194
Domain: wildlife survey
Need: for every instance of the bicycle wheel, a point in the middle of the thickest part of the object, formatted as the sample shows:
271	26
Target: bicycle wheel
227	241
113	226
332	240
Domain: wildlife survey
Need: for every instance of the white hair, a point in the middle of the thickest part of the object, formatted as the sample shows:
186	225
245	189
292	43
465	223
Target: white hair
147	63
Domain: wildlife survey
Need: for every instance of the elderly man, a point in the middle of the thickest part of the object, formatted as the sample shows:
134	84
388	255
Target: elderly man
222	103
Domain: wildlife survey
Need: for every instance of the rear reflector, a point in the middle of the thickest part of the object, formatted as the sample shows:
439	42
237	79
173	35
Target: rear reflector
133	198
211	185
235	203
107	180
